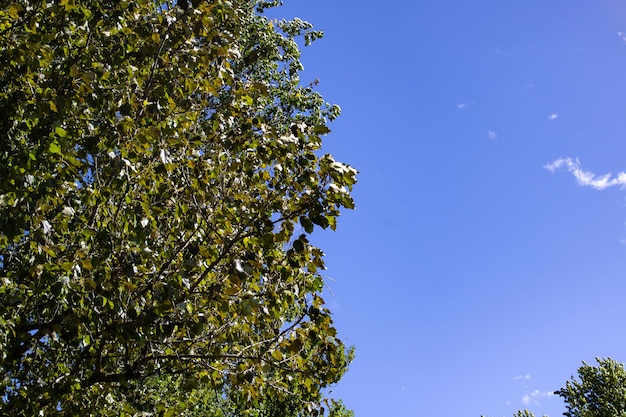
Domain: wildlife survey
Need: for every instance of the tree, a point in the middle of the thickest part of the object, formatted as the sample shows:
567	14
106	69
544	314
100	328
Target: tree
599	392
160	171
525	413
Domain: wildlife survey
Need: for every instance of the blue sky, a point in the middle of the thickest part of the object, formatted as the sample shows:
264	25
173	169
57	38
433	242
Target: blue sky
471	278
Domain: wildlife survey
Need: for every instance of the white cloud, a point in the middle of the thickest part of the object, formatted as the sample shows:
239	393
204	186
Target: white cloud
587	178
533	397
492	135
622	36
463	105
553	116
526	377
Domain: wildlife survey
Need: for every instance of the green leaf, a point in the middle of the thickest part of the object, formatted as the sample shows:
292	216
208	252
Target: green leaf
60	131
277	354
321	130
54	148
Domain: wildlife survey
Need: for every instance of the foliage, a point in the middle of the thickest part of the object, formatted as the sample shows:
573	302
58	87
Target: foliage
160	170
599	392
525	413
170	393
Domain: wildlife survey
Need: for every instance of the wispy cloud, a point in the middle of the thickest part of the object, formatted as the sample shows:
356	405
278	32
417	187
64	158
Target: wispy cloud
553	116
464	104
587	178
492	135
526	377
622	36
533	397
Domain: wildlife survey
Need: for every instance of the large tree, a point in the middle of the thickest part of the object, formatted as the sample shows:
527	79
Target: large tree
160	170
599	391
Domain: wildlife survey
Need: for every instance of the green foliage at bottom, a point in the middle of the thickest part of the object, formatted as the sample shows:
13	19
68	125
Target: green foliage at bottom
599	391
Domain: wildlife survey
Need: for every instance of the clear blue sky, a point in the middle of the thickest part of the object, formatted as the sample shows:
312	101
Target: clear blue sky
472	279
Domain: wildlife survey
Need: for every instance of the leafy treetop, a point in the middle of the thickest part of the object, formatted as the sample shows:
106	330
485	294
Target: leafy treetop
599	391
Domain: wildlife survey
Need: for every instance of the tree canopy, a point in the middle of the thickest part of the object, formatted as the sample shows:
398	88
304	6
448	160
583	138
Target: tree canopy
600	390
160	171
